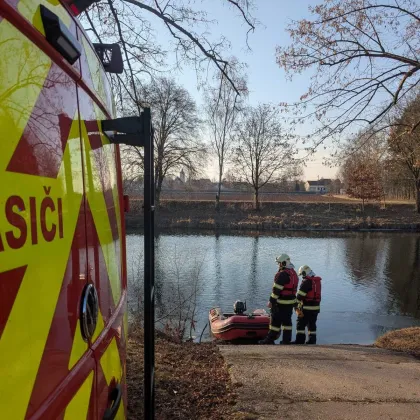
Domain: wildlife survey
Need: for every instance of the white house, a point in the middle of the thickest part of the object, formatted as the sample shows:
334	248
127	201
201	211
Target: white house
320	186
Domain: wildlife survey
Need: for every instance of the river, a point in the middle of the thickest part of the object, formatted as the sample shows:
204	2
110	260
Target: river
370	280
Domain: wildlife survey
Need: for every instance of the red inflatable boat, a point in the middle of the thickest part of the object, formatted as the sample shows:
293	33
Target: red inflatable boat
239	326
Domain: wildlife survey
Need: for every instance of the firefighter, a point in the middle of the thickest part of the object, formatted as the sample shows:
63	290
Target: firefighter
309	299
282	301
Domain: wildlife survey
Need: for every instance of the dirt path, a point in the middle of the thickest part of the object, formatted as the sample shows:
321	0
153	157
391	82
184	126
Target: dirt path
323	382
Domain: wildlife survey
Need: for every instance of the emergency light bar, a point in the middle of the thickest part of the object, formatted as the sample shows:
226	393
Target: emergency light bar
79	6
59	36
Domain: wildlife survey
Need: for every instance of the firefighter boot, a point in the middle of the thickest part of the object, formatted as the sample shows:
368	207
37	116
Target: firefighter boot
269	339
287	337
300	338
312	339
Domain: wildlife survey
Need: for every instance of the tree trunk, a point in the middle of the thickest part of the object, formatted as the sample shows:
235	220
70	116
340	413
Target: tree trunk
418	195
219	188
256	200
158	190
157	198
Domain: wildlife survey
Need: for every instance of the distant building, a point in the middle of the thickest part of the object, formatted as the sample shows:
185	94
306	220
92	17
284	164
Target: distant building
320	186
202	184
182	176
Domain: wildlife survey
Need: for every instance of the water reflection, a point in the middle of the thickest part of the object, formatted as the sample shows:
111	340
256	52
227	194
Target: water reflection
218	267
403	269
253	275
371	281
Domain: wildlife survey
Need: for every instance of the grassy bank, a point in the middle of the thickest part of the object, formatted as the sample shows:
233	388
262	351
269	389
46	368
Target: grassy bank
275	216
406	340
192	381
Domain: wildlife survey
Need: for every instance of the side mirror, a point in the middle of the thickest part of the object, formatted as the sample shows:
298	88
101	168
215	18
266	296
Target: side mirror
111	57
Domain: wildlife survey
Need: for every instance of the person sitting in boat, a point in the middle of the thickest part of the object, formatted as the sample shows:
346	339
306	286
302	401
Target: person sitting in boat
309	300
282	301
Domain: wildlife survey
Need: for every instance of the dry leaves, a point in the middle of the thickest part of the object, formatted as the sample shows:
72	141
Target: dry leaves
192	381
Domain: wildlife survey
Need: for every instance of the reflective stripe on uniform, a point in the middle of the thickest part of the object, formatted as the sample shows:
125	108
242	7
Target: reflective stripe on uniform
274	328
300	332
312	332
312	308
286	302
274	296
302	293
286	328
278	286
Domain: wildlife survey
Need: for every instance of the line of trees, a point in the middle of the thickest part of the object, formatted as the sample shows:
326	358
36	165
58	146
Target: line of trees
250	140
227	121
386	164
364	55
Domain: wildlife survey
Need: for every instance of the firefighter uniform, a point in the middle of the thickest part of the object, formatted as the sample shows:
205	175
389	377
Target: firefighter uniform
309	300
283	300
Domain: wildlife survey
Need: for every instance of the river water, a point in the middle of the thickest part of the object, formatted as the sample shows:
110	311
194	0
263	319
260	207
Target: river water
371	280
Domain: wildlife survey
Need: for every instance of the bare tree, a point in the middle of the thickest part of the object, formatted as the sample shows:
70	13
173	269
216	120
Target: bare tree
404	144
134	24
264	151
177	138
222	106
182	291
366	59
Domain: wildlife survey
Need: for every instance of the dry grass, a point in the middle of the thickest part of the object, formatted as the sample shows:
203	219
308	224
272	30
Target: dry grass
192	381
275	216
406	340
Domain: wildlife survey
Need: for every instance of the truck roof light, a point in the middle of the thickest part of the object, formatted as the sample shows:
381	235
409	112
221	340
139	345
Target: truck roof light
59	36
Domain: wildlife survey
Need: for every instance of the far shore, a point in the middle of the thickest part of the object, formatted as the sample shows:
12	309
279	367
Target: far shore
278	216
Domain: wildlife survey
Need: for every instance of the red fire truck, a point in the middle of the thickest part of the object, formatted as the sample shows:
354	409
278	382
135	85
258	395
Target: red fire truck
63	320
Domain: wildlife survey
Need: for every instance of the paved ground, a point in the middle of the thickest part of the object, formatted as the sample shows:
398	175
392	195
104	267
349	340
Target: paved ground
324	382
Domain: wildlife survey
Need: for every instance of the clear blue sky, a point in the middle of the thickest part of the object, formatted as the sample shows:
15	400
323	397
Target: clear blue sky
266	81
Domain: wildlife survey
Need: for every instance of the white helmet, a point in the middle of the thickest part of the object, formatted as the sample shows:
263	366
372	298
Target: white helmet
283	260
305	270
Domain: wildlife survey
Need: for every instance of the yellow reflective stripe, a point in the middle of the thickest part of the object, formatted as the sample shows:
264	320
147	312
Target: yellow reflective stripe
79	348
302	293
28	9
79	405
274	296
111	363
312	308
100	325
98	206
274	328
300	332
23	70
286	302
286	328
96	71
312	332
278	286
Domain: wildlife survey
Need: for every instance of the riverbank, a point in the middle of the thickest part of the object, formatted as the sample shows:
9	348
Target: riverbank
198	381
277	216
406	340
346	382
192	380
